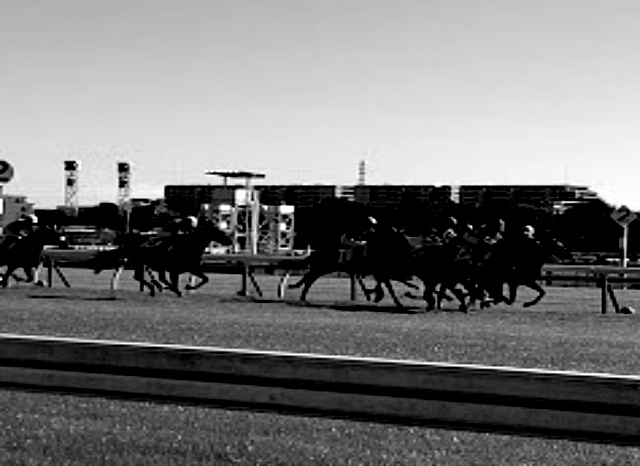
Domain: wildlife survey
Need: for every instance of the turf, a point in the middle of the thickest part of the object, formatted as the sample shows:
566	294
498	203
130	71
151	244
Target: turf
566	331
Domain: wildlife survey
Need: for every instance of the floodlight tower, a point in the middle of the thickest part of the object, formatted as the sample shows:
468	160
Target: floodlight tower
71	168
362	173
124	185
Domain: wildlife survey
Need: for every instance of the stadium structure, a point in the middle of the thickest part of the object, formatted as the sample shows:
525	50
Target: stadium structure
551	197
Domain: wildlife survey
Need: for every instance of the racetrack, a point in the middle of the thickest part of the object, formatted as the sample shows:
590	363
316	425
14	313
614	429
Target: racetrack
566	331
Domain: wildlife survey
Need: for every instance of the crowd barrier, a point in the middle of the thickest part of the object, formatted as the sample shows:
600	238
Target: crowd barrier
594	407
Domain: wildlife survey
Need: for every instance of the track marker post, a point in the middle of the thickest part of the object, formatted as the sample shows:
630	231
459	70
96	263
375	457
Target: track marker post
612	296
604	284
51	267
607	293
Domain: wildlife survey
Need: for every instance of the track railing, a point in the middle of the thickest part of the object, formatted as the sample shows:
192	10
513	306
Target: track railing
594	407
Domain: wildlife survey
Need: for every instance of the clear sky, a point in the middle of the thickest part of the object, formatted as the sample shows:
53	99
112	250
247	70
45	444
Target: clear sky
427	91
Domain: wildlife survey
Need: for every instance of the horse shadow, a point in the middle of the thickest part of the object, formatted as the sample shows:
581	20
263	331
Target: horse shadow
73	298
358	307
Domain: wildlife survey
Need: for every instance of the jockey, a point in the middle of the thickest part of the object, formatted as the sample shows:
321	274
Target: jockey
528	231
450	232
22	227
493	232
349	238
468	234
17	230
179	226
449	235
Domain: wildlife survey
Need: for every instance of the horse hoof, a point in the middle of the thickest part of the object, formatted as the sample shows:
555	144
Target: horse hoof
39	283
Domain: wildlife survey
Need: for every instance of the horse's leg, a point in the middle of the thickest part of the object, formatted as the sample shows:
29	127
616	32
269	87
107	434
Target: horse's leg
203	280
461	296
139	276
408	284
392	293
17	278
535	287
282	284
9	272
494	289
36	274
174	278
363	287
441	292
308	280
162	278
157	286
378	292
513	291
116	277
299	283
429	298
28	273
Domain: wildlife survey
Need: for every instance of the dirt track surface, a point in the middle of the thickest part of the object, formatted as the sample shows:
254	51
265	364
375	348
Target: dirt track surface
565	332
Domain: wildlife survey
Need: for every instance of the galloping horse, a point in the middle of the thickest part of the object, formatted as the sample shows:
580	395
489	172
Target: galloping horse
25	252
386	256
483	268
176	255
116	259
518	262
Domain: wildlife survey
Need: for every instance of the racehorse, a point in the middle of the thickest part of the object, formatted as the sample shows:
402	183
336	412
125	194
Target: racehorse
176	255
385	255
518	262
116	259
26	252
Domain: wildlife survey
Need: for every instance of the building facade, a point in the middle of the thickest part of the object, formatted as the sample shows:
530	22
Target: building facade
189	198
550	197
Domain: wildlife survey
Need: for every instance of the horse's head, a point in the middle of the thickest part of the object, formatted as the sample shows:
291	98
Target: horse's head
46	236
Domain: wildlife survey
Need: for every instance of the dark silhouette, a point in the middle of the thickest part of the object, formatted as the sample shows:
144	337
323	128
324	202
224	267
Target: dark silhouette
26	252
175	255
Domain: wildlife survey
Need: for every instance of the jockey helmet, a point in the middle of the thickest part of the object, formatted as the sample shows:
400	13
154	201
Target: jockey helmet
31	218
449	234
529	231
192	221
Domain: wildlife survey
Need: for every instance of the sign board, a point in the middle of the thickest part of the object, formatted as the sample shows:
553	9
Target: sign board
6	171
624	216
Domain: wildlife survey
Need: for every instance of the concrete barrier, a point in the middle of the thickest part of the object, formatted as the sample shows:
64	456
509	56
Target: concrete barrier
596	407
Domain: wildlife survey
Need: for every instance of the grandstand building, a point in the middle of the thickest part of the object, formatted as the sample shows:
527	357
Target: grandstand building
552	197
189	198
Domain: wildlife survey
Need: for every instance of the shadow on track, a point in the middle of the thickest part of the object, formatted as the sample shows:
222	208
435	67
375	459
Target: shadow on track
74	298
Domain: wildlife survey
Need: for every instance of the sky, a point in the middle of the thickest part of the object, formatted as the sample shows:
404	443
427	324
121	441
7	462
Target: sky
426	91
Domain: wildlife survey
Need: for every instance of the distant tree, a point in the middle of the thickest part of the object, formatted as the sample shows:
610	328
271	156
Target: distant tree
588	227
142	218
107	215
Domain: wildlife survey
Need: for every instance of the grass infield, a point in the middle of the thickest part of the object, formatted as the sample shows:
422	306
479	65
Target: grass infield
565	331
